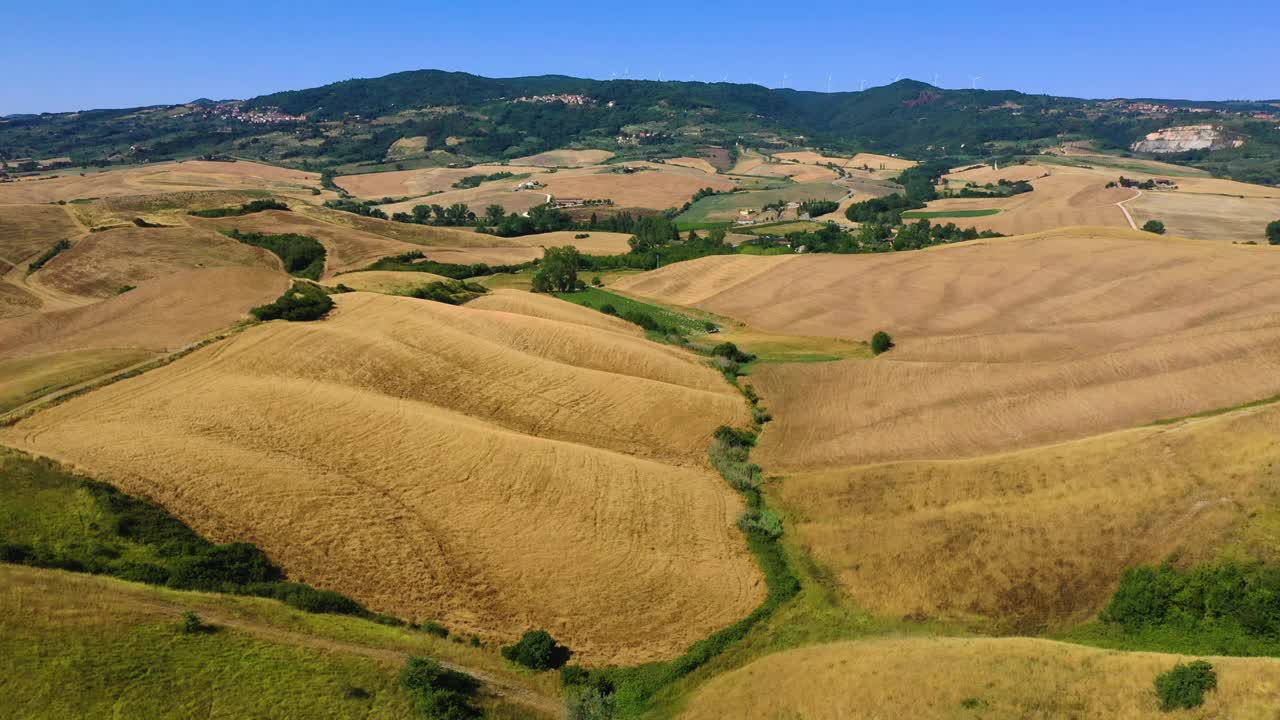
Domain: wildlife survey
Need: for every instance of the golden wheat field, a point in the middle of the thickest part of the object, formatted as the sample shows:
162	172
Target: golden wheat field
945	678
346	248
564	158
28	230
1066	197
1037	539
159	315
186	176
1209	213
99	264
493	471
502	192
391	282
519	302
1001	344
697	163
414	183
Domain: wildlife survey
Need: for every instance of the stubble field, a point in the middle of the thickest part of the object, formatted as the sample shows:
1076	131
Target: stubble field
493	471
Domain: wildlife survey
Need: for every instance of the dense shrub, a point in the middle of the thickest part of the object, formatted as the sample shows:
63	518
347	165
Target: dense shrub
451	292
440	693
1153	226
818	207
881	342
763	522
537	650
415	261
1273	232
245	209
300	303
1183	687
558	271
733	437
608	309
302	256
729	351
191	623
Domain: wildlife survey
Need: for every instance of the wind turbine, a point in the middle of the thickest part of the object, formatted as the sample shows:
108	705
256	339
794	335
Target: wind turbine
863	86
935	79
974	79
828	82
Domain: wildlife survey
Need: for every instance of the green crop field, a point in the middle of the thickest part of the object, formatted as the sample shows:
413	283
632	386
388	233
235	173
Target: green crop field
596	298
931	214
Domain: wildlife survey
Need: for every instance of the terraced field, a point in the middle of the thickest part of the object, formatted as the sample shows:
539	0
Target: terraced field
491	470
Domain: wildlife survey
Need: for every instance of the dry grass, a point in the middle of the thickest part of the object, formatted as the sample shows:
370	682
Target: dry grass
565	158
1001	344
101	263
28	230
697	163
191	175
1038	538
542	306
1210	216
160	315
478	198
452	463
16	300
1006	678
416	183
27	378
346	248
391	282
1067	197
657	187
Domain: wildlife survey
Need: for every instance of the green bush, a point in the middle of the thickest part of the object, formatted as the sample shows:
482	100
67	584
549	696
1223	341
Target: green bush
450	292
733	437
763	522
1273	232
537	650
440	693
436	629
302	256
881	342
1154	226
608	309
729	351
300	303
191	623
245	209
1183	687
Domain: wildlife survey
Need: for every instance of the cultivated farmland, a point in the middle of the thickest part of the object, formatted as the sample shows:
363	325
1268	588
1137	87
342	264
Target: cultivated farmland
937	679
514	471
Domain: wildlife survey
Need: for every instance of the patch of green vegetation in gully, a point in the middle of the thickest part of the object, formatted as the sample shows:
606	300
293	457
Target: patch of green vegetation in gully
53	518
931	214
595	298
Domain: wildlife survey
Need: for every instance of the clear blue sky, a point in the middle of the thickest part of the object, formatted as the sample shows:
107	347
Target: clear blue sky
59	55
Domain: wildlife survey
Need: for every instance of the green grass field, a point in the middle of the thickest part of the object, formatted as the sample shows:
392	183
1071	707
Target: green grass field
724	208
595	298
931	214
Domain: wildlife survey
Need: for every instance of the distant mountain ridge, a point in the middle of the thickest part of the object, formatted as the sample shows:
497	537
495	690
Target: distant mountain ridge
637	118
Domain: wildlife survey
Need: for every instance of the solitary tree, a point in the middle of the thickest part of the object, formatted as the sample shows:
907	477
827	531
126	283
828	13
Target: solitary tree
558	271
1273	233
1154	226
881	342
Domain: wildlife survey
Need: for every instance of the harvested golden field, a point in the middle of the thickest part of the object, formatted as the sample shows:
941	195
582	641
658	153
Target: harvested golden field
191	175
1208	217
984	174
1037	538
1067	197
404	232
391	282
520	302
27	378
27	231
657	186
101	263
463	465
160	315
500	192
16	299
697	163
346	248
414	183
564	158
795	171
1001	344
928	678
